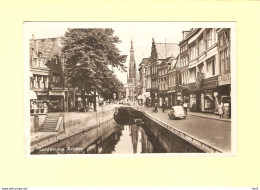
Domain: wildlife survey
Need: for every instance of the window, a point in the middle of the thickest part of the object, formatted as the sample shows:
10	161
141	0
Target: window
39	54
45	82
209	38
201	45
193	51
221	40
56	77
192	74
38	81
32	82
213	67
222	62
227	61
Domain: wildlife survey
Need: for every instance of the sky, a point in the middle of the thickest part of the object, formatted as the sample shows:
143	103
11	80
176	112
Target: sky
140	32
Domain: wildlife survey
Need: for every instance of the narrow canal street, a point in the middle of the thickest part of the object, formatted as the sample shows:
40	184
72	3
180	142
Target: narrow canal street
130	137
212	131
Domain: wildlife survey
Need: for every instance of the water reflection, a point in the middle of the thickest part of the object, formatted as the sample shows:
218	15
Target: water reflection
109	138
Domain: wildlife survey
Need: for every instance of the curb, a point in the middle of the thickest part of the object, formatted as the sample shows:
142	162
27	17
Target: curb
211	118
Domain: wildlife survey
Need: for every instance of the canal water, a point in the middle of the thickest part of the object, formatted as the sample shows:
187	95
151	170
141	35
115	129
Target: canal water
108	138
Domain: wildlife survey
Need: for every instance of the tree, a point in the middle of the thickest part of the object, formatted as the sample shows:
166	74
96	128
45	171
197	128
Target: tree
89	53
112	85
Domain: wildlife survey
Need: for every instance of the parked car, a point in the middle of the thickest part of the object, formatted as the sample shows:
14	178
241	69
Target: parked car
177	112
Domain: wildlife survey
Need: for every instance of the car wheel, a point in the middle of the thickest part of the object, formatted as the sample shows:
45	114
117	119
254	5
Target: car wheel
173	117
184	117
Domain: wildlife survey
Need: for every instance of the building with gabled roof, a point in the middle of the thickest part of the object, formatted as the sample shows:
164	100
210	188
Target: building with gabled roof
47	80
142	80
159	53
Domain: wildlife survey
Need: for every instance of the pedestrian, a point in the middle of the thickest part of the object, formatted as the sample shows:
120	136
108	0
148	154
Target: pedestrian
155	108
185	105
163	106
221	109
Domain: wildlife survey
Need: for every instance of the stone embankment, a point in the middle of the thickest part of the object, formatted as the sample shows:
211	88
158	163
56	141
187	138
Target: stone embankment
73	123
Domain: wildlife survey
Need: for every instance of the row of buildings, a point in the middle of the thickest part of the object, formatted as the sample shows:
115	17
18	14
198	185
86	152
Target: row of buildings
196	70
49	89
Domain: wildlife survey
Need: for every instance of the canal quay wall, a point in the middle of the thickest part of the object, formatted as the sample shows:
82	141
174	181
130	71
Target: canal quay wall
172	139
73	123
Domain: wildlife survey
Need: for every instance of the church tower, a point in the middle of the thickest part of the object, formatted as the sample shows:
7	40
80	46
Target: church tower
132	73
131	76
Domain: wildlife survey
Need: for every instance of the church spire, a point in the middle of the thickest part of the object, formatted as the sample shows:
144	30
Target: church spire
132	66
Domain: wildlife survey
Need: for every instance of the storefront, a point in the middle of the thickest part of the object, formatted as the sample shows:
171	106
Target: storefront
204	97
224	91
38	102
163	97
179	99
185	95
56	101
154	98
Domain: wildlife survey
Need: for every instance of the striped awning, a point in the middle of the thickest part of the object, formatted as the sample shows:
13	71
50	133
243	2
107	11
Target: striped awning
33	95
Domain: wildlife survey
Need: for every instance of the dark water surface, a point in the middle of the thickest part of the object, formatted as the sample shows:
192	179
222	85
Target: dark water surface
108	138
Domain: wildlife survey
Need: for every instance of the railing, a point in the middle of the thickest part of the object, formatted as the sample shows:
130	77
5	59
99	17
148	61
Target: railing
198	143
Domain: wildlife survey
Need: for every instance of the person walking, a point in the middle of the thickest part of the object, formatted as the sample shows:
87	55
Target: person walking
221	109
155	108
185	105
163	106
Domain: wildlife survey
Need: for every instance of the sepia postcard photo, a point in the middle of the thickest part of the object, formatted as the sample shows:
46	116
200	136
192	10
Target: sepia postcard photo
130	88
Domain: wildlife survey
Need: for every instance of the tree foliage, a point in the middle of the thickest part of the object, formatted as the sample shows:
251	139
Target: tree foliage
89	54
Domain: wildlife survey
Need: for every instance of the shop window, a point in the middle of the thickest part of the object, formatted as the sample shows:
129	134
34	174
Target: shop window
209	102
38	106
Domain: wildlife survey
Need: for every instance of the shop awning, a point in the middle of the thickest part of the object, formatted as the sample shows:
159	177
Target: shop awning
33	95
42	93
56	93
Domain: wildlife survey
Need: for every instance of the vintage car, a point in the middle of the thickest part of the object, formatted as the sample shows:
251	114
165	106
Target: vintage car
177	112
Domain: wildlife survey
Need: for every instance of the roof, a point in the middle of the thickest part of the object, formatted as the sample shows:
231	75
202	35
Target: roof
165	61
145	61
165	50
49	47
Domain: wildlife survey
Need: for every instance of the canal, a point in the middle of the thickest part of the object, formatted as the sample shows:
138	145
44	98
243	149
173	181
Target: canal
108	138
127	135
